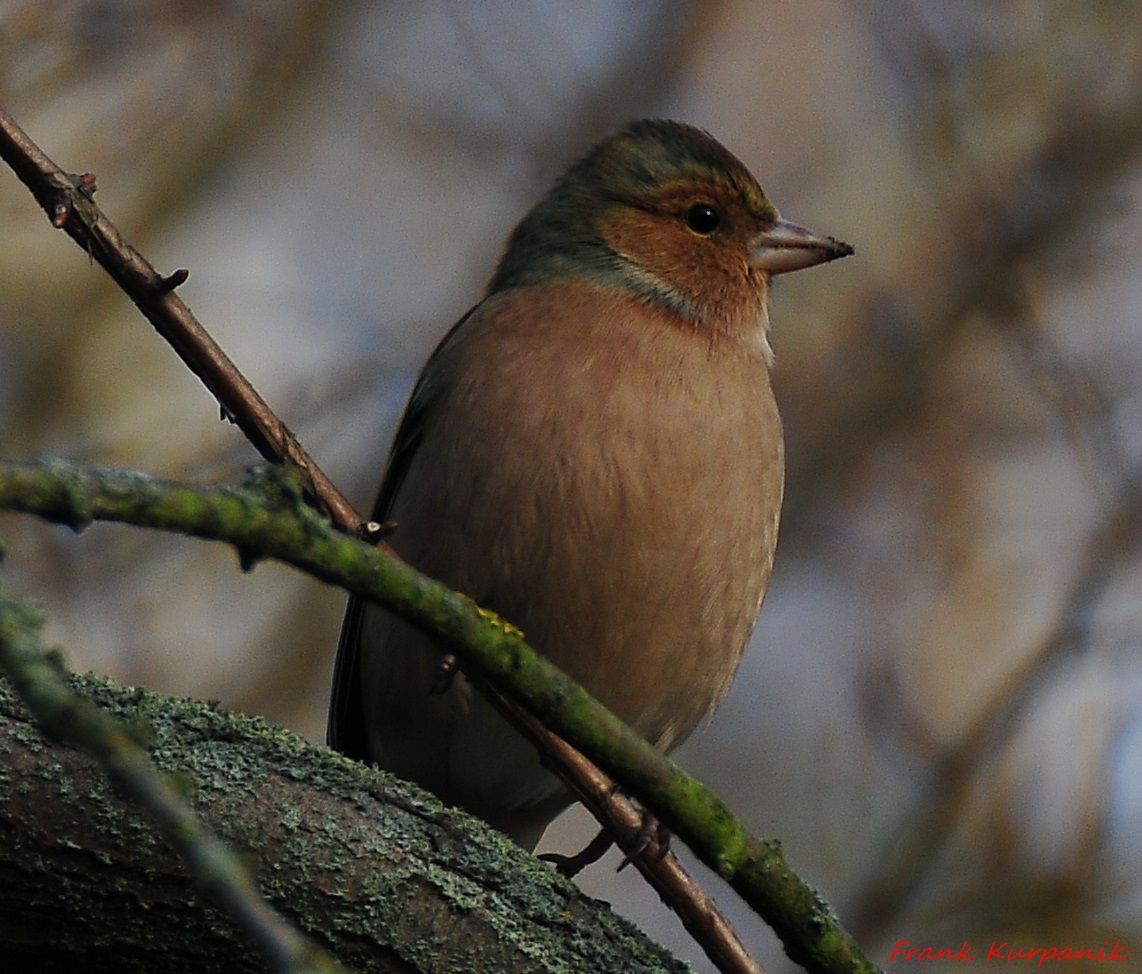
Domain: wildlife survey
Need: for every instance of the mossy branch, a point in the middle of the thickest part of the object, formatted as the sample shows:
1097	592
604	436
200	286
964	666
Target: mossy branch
267	517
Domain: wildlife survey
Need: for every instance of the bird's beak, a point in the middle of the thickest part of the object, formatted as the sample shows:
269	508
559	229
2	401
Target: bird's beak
787	247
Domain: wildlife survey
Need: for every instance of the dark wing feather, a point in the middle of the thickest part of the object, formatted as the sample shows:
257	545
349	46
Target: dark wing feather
345	731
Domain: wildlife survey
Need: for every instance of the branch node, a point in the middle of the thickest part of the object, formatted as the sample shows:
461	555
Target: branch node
84	182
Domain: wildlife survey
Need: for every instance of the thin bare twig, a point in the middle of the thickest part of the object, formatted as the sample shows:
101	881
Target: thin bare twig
67	200
658	865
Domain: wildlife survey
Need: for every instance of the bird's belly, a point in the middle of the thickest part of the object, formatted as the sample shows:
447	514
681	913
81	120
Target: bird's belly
650	603
637	558
626	522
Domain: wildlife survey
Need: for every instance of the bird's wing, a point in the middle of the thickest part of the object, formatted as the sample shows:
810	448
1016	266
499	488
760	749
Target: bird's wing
345	731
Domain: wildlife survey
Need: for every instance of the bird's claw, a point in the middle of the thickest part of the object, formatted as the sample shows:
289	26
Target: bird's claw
651	830
446	671
375	532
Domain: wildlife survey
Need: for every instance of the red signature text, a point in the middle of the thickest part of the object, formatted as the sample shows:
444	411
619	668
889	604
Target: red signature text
905	951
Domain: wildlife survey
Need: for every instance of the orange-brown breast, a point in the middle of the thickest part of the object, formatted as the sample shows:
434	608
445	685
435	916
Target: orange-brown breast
651	463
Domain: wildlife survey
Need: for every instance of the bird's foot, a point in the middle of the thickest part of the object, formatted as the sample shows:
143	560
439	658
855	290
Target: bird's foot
651	831
570	866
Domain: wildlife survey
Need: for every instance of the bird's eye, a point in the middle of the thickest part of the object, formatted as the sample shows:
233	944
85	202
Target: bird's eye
703	219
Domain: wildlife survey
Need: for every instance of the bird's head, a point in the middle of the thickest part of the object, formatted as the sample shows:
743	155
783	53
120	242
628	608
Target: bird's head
664	211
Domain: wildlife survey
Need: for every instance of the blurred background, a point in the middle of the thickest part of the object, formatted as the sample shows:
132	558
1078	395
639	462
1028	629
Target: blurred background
941	712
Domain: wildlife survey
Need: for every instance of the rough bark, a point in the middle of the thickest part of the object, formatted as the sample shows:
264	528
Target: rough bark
379	872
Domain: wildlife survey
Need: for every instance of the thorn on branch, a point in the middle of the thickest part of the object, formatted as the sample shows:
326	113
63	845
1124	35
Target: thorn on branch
168	282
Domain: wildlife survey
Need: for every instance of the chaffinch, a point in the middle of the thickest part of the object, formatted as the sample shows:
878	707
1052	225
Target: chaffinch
593	452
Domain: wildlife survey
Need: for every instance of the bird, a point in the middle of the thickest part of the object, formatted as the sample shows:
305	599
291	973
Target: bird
594	453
